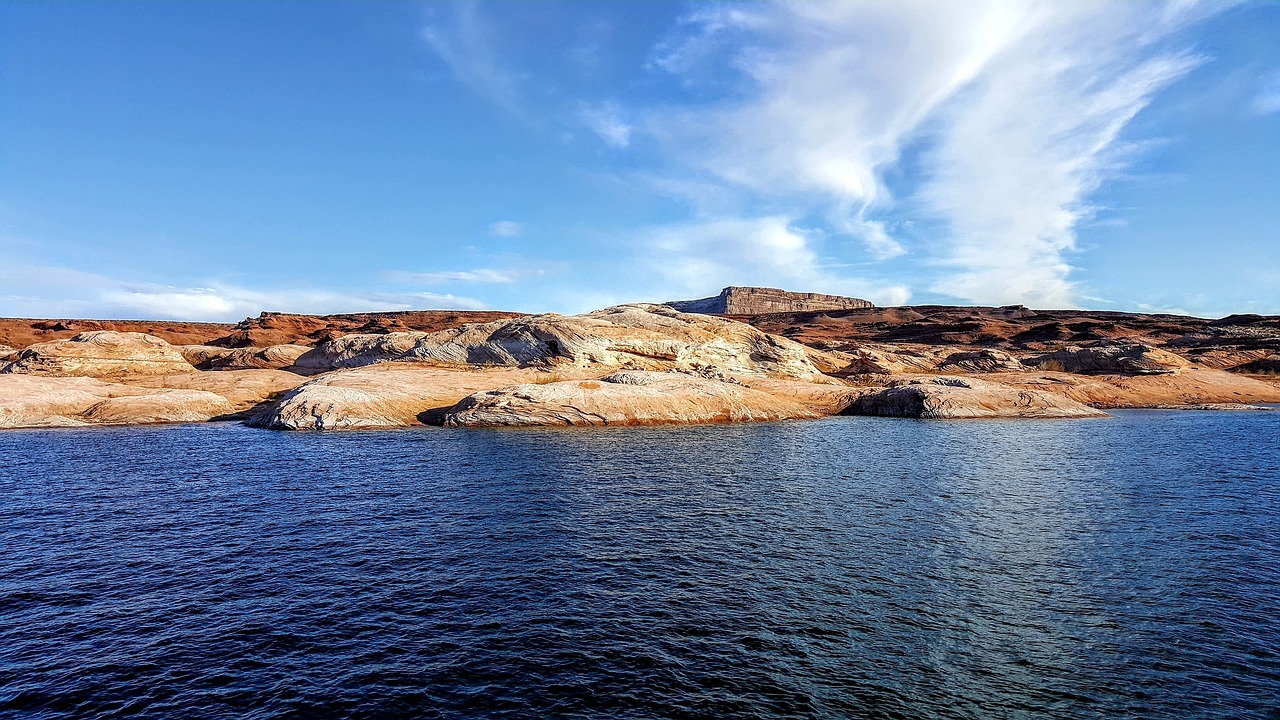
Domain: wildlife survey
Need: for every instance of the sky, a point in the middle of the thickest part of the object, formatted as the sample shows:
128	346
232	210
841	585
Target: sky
212	160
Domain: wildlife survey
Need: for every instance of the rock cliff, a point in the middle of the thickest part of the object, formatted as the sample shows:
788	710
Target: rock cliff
759	301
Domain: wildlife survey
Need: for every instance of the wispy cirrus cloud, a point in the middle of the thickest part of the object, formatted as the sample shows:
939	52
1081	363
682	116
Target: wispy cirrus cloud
460	36
988	127
1015	113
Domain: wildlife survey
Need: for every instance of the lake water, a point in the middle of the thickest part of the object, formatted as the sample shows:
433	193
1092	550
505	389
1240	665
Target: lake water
849	567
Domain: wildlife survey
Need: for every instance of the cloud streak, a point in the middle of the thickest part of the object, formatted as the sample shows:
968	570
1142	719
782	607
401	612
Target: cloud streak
1015	112
458	35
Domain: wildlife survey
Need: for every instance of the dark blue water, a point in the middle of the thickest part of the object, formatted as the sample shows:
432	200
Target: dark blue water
851	567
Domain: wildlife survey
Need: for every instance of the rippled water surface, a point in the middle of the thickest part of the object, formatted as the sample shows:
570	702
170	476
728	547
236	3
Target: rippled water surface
850	567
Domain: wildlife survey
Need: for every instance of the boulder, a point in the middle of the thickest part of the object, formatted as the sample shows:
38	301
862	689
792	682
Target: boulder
641	337
946	397
1123	357
102	354
625	398
981	361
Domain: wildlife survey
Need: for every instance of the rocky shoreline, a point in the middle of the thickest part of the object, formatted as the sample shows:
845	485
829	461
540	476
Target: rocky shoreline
638	364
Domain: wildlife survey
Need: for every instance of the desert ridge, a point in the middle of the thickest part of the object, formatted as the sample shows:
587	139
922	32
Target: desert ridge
638	364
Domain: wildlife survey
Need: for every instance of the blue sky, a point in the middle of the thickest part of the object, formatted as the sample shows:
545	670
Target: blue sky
207	161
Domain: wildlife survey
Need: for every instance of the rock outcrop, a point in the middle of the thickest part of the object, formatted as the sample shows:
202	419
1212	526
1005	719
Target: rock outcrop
981	361
639	337
100	353
244	389
881	361
1269	365
273	328
1128	358
209	357
945	397
758	301
382	395
36	401
1186	388
626	398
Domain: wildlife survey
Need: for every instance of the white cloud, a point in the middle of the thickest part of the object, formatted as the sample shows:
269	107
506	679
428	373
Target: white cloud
506	229
1021	150
38	291
835	90
1016	108
698	258
605	120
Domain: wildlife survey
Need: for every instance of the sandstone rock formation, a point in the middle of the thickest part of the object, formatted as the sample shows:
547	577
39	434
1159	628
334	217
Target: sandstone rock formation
1111	357
1186	388
36	401
626	398
641	337
100	353
635	364
244	389
946	397
208	357
24	332
272	328
382	395
1269	365
981	361
757	301
882	360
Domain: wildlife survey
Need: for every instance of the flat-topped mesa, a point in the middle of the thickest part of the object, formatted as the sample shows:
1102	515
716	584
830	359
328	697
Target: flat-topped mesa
760	301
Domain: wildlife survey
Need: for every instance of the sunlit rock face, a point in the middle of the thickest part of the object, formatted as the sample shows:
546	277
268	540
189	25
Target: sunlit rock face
640	337
626	398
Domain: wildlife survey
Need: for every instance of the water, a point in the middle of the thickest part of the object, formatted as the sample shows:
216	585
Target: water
851	567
